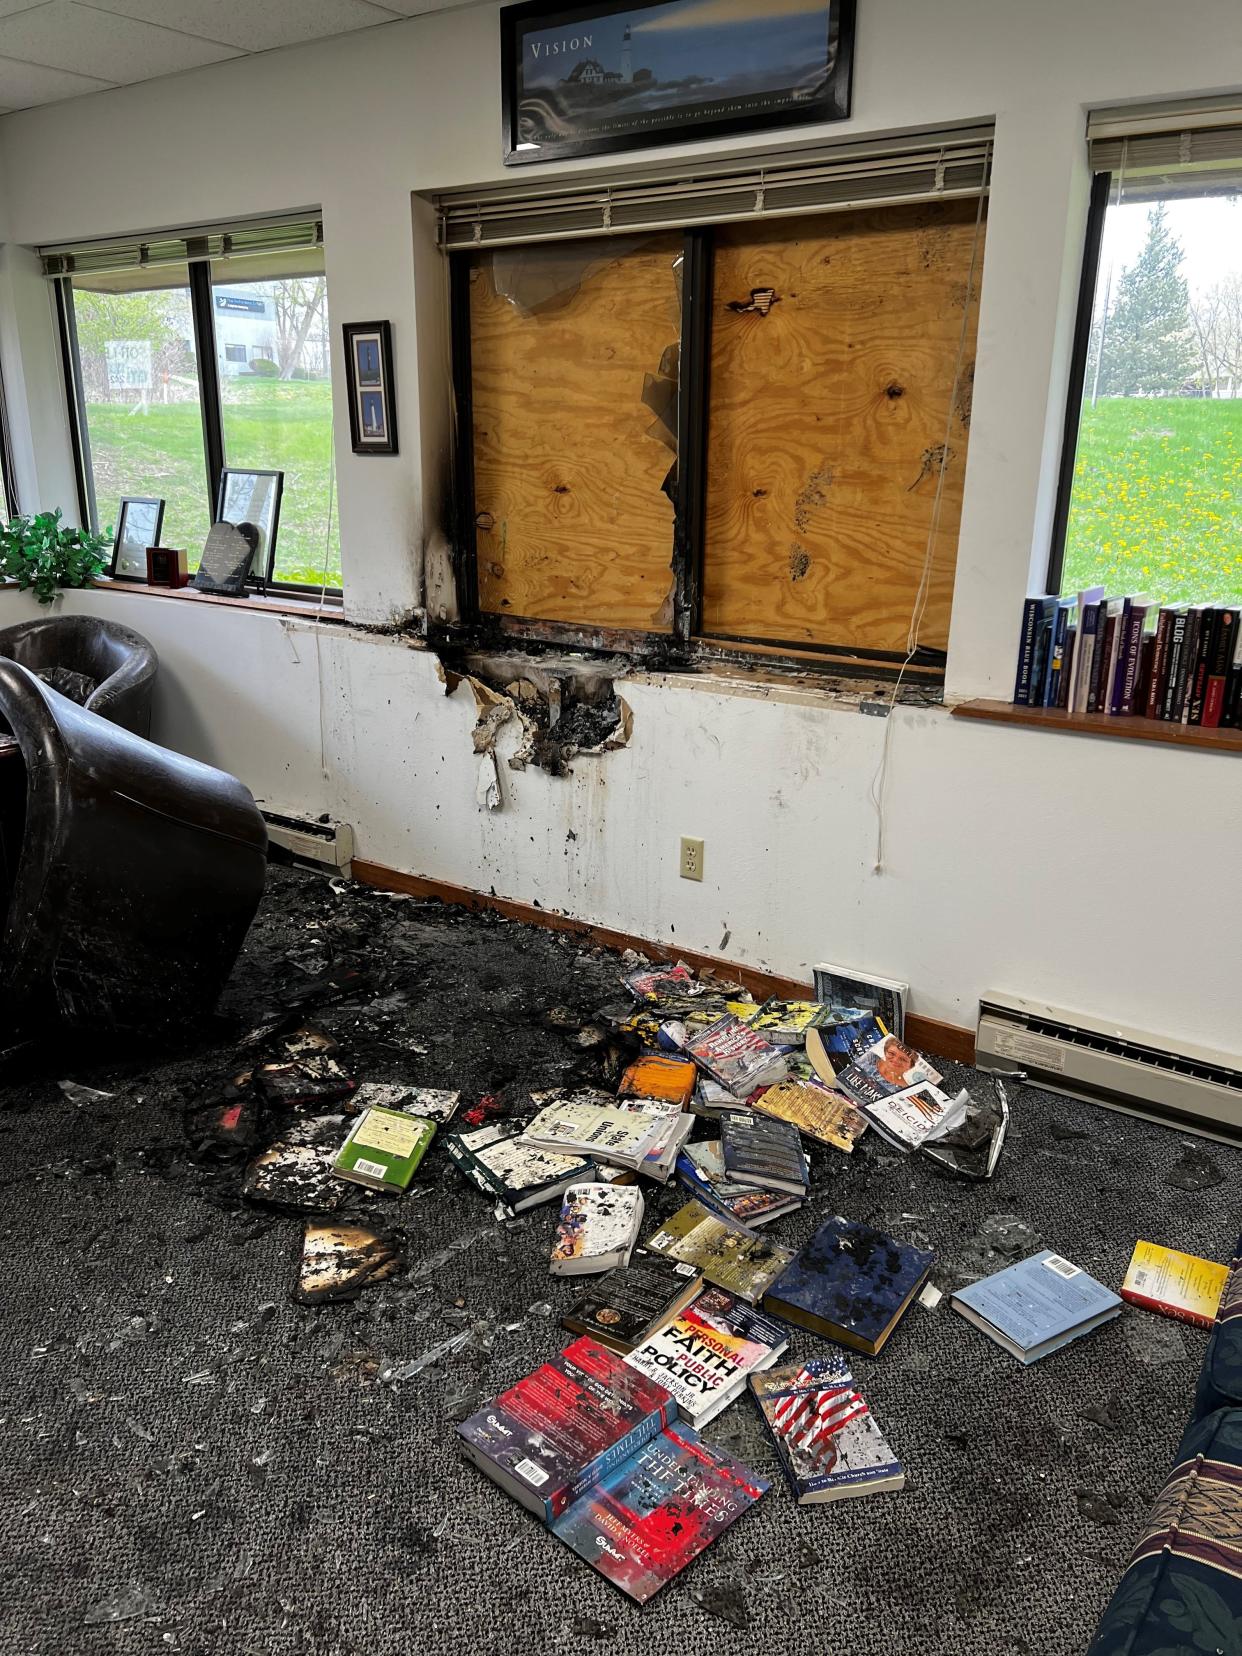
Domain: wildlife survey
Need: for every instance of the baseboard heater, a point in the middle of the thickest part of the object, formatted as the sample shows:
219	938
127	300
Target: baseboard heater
1126	1069
330	844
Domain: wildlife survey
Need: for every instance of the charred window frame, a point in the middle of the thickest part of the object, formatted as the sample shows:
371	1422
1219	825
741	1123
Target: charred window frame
688	643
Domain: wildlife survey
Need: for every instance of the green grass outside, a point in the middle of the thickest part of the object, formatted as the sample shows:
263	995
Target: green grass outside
268	424
1157	504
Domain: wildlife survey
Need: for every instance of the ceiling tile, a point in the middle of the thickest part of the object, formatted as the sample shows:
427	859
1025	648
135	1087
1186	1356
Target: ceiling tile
254	25
63	35
24	84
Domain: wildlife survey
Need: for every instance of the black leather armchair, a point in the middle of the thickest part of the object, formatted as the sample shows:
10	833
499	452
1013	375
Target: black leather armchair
119	661
128	875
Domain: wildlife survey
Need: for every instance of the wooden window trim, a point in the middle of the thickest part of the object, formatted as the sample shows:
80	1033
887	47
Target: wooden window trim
1118	727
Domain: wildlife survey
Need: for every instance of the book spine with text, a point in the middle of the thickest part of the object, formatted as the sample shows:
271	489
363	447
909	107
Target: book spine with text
1223	643
1203	656
1084	660
1135	622
1166	1309
1117	660
1032	610
1160	656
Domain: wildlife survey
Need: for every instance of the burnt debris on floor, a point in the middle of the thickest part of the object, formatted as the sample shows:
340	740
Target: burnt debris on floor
230	1417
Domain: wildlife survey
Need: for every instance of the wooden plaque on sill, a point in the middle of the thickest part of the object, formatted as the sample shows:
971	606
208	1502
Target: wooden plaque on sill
167	566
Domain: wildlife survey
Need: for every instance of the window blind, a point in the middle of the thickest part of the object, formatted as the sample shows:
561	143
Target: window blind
929	167
115	255
1161	151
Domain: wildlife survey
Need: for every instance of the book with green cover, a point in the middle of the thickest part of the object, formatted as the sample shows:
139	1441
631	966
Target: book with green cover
728	1254
384	1148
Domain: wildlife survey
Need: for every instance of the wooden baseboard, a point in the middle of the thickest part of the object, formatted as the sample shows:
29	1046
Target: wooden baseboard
944	1040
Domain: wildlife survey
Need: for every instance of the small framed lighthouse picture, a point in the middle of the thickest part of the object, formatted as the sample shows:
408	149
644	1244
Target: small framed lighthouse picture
591	79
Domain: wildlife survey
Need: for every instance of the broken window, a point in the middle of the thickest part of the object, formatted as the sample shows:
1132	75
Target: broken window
574	384
735	439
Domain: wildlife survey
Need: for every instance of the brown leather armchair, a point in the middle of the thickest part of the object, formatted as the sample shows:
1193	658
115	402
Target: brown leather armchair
118	661
129	875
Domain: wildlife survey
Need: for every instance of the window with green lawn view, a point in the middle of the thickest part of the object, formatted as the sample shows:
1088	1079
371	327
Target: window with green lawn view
181	367
1155	495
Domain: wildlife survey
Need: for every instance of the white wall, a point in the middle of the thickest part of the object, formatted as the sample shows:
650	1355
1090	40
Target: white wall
1015	860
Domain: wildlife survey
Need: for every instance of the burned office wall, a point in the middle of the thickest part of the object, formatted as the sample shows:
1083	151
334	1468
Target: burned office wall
574	352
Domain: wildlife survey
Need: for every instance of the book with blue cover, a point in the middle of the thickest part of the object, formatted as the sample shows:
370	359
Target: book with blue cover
851	1283
1037	1305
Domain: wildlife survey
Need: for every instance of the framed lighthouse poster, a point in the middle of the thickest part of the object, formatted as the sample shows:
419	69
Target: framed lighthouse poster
620	74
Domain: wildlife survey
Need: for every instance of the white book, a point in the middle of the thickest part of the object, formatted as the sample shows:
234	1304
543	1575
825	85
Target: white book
597	1229
609	1132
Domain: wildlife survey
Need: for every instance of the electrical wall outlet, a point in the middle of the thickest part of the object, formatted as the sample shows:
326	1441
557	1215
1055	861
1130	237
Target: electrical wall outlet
691	859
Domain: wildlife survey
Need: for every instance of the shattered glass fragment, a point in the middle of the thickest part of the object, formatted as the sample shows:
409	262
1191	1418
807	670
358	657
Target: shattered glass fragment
76	1093
1195	1171
1099	1507
126	1604
1106	1415
1002	1239
1155	1341
726	1603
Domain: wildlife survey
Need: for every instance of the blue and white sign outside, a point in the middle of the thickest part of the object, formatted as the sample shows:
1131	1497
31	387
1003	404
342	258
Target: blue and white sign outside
129	364
235	302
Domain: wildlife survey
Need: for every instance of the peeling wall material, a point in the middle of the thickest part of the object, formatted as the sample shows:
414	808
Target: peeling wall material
566	708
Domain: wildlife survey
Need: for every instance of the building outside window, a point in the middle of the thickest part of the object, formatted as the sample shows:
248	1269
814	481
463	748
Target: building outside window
181	366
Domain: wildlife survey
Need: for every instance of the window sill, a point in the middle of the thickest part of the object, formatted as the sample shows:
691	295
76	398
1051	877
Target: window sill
1102	724
328	609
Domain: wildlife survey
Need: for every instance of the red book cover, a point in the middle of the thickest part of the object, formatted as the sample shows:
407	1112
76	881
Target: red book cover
551	1435
1218	667
649	1517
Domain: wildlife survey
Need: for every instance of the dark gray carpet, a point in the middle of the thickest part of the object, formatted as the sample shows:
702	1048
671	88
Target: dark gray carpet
178	1438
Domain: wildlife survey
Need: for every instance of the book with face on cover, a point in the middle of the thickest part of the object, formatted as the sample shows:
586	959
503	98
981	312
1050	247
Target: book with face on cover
597	1229
623	1307
503	1164
643	1521
704	1355
851	1283
836	1046
826	1438
728	1254
885	1068
827	1117
552	1435
1038	1305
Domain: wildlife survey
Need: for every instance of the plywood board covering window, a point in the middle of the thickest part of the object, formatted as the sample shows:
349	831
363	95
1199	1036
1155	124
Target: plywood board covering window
572	521
834	368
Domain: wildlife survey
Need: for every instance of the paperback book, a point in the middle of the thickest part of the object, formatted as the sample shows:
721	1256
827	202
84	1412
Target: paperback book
431	1103
828	1442
884	998
557	1431
763	1152
597	1229
383	1149
733	1054
701	1171
676	1125
657	983
728	1254
1176	1284
829	1051
819	1114
501	1162
918	1116
1037	1306
884	1068
643	1521
784	1022
297	1171
851	1283
655	1076
612	1133
628	1304
705	1355
340	1260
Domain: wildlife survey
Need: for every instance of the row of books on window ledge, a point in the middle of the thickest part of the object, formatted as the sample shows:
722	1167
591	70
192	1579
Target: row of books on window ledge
1088	653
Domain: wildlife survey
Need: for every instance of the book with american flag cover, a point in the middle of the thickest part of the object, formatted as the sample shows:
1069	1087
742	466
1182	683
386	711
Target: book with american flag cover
825	1436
